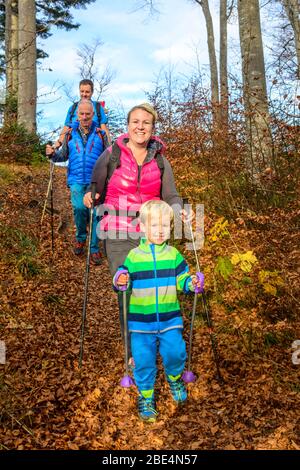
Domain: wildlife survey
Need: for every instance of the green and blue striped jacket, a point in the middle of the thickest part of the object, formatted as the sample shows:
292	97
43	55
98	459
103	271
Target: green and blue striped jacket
156	273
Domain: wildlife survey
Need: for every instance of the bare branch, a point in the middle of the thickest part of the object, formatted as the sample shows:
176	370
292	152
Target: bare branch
146	4
88	67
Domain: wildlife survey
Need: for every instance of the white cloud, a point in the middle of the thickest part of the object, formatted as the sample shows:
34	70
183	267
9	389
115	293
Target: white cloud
177	52
125	88
136	49
62	60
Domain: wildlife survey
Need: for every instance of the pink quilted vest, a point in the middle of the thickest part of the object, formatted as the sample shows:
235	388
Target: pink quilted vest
127	189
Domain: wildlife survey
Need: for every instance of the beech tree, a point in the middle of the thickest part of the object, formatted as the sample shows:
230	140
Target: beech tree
218	81
214	81
51	13
292	8
223	63
14	36
27	83
254	89
11	46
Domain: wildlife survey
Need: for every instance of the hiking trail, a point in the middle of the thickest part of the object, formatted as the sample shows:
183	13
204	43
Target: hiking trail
47	402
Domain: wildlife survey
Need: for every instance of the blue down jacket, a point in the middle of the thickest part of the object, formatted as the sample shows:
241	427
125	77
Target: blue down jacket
82	158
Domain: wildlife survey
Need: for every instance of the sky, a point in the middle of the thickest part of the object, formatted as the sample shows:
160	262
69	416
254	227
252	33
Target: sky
136	47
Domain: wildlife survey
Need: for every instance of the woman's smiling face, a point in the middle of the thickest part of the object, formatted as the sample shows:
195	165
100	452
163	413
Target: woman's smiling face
140	127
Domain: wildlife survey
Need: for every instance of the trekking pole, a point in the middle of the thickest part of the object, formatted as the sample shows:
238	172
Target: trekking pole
188	376
87	271
126	381
48	189
51	206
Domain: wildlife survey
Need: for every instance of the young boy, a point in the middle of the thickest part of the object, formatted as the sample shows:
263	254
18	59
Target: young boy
155	272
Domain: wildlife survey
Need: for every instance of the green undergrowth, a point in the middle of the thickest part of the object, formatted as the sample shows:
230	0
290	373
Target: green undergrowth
8	175
20	251
20	146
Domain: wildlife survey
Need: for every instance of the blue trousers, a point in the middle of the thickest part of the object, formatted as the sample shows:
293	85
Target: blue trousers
82	215
144	348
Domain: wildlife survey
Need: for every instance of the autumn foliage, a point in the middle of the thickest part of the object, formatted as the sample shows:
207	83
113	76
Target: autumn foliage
251	262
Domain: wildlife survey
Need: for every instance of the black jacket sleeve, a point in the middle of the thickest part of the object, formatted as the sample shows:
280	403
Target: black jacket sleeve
61	155
99	174
169	191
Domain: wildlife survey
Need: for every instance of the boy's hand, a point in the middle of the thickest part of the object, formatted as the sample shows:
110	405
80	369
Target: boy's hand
187	217
198	282
123	280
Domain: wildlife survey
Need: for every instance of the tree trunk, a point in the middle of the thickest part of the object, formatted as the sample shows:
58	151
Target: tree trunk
27	85
223	63
214	83
11	45
11	60
255	93
292	9
8	67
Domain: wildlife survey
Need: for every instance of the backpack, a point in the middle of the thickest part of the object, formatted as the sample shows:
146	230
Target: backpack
98	110
115	162
99	133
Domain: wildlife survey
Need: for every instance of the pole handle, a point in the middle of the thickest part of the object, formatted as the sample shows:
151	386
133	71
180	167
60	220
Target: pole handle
87	272
93	191
185	202
119	272
124	295
200	277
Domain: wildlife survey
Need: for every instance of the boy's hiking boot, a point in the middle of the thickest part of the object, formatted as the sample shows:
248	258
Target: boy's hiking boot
177	388
146	406
79	248
96	258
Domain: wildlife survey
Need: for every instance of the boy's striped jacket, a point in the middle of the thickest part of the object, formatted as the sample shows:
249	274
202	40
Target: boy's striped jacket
156	273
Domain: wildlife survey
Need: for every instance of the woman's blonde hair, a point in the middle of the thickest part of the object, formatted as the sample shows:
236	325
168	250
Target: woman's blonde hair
146	107
155	207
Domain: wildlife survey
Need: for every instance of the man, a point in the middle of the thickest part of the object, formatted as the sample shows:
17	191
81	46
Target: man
82	146
86	89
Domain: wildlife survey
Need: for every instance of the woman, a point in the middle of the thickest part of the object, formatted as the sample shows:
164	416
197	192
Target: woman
142	174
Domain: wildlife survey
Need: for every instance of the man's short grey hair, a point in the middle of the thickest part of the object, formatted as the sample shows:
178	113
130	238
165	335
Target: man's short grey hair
85	101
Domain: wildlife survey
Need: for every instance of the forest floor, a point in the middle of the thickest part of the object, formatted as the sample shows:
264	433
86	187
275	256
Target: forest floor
48	402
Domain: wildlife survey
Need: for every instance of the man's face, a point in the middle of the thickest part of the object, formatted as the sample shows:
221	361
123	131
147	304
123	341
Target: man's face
85	115
157	228
85	92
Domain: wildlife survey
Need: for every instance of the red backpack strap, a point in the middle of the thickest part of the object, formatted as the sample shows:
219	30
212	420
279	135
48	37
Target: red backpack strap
102	135
98	111
68	135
